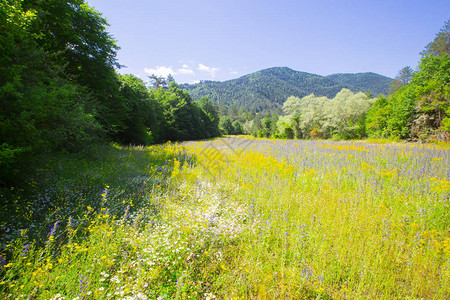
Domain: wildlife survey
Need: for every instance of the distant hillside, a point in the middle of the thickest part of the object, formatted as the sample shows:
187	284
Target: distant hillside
376	83
268	89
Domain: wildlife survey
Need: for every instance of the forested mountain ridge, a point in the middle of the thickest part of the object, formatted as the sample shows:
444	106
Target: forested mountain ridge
269	88
376	83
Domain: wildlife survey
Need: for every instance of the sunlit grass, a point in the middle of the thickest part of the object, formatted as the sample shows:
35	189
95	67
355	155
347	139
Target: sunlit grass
248	219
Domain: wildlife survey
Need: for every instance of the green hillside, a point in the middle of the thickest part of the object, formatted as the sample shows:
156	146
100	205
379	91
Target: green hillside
376	83
269	88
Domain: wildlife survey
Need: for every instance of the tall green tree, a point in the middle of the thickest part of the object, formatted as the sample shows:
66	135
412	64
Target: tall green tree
157	82
377	116
143	118
213	116
432	95
226	125
441	43
237	127
403	77
76	36
419	109
184	118
40	109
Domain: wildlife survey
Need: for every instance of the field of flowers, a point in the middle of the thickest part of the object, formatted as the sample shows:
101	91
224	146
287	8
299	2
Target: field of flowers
236	218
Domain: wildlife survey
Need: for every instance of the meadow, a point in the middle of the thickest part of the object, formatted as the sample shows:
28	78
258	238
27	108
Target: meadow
232	218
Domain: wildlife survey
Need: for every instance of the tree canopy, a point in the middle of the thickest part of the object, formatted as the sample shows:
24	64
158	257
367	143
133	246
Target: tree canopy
441	43
59	89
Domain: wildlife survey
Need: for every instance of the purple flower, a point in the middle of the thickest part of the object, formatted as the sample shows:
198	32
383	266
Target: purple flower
52	232
55	226
82	284
24	250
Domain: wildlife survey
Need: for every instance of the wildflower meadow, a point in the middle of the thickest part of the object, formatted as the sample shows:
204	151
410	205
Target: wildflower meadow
232	218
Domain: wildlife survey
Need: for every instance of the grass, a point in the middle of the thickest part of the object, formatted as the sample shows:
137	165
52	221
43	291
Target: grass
235	218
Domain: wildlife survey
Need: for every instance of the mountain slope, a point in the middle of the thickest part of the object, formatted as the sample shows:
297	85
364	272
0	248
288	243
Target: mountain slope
269	88
376	83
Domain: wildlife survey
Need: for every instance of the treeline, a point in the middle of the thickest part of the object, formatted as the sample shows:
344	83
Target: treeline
265	91
59	89
342	117
417	107
419	110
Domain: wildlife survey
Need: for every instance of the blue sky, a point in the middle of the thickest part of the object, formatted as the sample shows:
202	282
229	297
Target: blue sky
221	40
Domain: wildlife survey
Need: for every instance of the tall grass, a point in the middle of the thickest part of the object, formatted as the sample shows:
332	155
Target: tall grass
241	218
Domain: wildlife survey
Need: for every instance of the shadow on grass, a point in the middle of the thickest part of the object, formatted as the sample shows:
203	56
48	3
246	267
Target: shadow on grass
57	186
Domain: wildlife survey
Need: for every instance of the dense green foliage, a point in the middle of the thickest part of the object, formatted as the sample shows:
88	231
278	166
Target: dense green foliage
417	107
418	110
403	77
266	90
441	43
75	37
185	118
362	82
419	104
59	89
40	107
342	117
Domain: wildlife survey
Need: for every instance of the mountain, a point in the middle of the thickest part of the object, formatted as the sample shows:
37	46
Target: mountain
376	83
269	88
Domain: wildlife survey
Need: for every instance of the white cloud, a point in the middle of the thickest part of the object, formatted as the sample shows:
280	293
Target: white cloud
194	81
234	72
210	70
185	70
160	71
165	71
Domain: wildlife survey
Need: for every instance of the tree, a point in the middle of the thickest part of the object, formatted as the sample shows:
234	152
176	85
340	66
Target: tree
342	117
158	81
143	122
76	38
284	128
226	126
441	43
273	124
266	127
432	93
401	115
233	112
40	109
170	79
403	77
184	118
256	126
213	116
307	114
237	127
345	113
377	116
